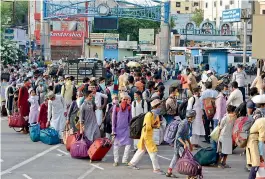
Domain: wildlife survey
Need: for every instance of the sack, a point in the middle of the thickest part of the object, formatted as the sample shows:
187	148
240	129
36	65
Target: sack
261	172
240	131
206	156
3	110
80	148
34	132
67	132
16	120
209	107
182	109
171	131
49	136
158	136
215	134
70	141
136	126
186	165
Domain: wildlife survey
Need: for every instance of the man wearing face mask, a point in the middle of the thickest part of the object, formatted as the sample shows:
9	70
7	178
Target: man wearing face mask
41	91
58	86
103	89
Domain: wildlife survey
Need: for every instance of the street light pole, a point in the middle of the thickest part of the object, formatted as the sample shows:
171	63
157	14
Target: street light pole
245	43
29	30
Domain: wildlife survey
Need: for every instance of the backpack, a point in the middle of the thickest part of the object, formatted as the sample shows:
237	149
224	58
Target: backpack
183	108
209	107
136	126
240	131
171	131
131	92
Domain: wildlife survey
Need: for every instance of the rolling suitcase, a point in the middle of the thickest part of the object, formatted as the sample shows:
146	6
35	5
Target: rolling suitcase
99	149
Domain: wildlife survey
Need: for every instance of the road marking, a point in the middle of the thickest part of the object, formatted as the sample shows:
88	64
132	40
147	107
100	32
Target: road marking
87	173
30	159
96	166
164	157
65	153
26	176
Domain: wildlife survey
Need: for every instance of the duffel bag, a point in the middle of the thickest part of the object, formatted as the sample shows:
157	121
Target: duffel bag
80	148
70	141
16	120
34	132
49	136
186	165
206	156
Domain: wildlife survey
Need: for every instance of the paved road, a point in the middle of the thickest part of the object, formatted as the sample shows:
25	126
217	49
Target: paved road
21	158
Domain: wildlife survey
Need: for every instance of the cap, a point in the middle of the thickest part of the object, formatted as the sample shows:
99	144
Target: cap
51	94
209	71
190	113
155	102
259	99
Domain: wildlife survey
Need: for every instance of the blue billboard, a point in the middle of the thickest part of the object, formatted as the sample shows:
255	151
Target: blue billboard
231	15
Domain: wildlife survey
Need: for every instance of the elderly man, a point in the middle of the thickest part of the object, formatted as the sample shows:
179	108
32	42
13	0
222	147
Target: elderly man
240	77
56	113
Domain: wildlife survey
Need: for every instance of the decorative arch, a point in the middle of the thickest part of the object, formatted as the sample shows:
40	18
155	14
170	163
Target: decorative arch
207	27
190	27
225	28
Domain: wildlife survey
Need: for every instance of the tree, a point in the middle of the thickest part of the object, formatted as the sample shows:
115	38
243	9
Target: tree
198	16
10	53
20	12
128	26
172	23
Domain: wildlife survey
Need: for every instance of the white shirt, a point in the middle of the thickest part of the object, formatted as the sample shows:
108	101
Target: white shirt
138	109
240	78
235	98
98	99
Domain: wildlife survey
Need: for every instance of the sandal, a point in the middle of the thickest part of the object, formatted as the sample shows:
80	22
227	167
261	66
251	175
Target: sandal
159	172
171	175
226	166
133	167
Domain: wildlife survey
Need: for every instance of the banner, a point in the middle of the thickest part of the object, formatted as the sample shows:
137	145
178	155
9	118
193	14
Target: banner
128	45
111	38
146	36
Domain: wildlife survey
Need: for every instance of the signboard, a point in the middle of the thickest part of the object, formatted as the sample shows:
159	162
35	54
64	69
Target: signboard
146	36
128	45
231	15
63	38
147	48
97	39
105	23
111	47
111	38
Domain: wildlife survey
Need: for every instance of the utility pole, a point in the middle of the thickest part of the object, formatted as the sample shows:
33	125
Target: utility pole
245	43
29	30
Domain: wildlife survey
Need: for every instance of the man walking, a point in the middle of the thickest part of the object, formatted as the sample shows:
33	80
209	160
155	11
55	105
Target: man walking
240	77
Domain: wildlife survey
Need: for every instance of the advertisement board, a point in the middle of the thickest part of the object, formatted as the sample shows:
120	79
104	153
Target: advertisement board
128	45
146	36
111	38
97	39
231	15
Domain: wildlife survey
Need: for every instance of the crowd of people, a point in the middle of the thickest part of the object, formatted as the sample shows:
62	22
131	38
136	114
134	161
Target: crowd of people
105	107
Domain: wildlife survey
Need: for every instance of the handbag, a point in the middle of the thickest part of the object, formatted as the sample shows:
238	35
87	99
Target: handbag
49	136
187	165
34	132
66	133
70	141
80	148
261	172
215	134
16	120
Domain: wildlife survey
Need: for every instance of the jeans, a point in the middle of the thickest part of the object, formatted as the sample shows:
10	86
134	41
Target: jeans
243	91
253	173
215	123
125	155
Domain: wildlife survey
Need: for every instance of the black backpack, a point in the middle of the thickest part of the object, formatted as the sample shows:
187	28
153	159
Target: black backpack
241	110
136	125
183	108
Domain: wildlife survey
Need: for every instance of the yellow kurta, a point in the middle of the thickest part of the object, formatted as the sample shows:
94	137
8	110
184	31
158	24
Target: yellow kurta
257	133
146	140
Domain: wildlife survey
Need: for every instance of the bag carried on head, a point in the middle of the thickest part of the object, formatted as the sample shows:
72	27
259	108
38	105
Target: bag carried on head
80	148
49	136
186	165
241	131
171	131
206	156
34	132
209	107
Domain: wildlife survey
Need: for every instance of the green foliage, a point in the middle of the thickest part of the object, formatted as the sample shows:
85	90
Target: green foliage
197	16
20	16
172	23
9	52
131	27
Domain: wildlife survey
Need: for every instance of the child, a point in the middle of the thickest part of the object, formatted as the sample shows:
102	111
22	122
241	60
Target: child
34	106
225	144
72	114
43	115
182	140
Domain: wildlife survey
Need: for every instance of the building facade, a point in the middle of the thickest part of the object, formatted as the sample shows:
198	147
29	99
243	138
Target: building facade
185	6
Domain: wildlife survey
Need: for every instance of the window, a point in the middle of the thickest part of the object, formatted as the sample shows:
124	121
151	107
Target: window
178	12
186	8
196	60
177	4
196	4
239	59
214	3
227	7
263	11
221	3
231	2
206	5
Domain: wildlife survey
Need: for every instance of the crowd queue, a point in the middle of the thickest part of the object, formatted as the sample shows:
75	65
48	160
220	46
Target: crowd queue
105	107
